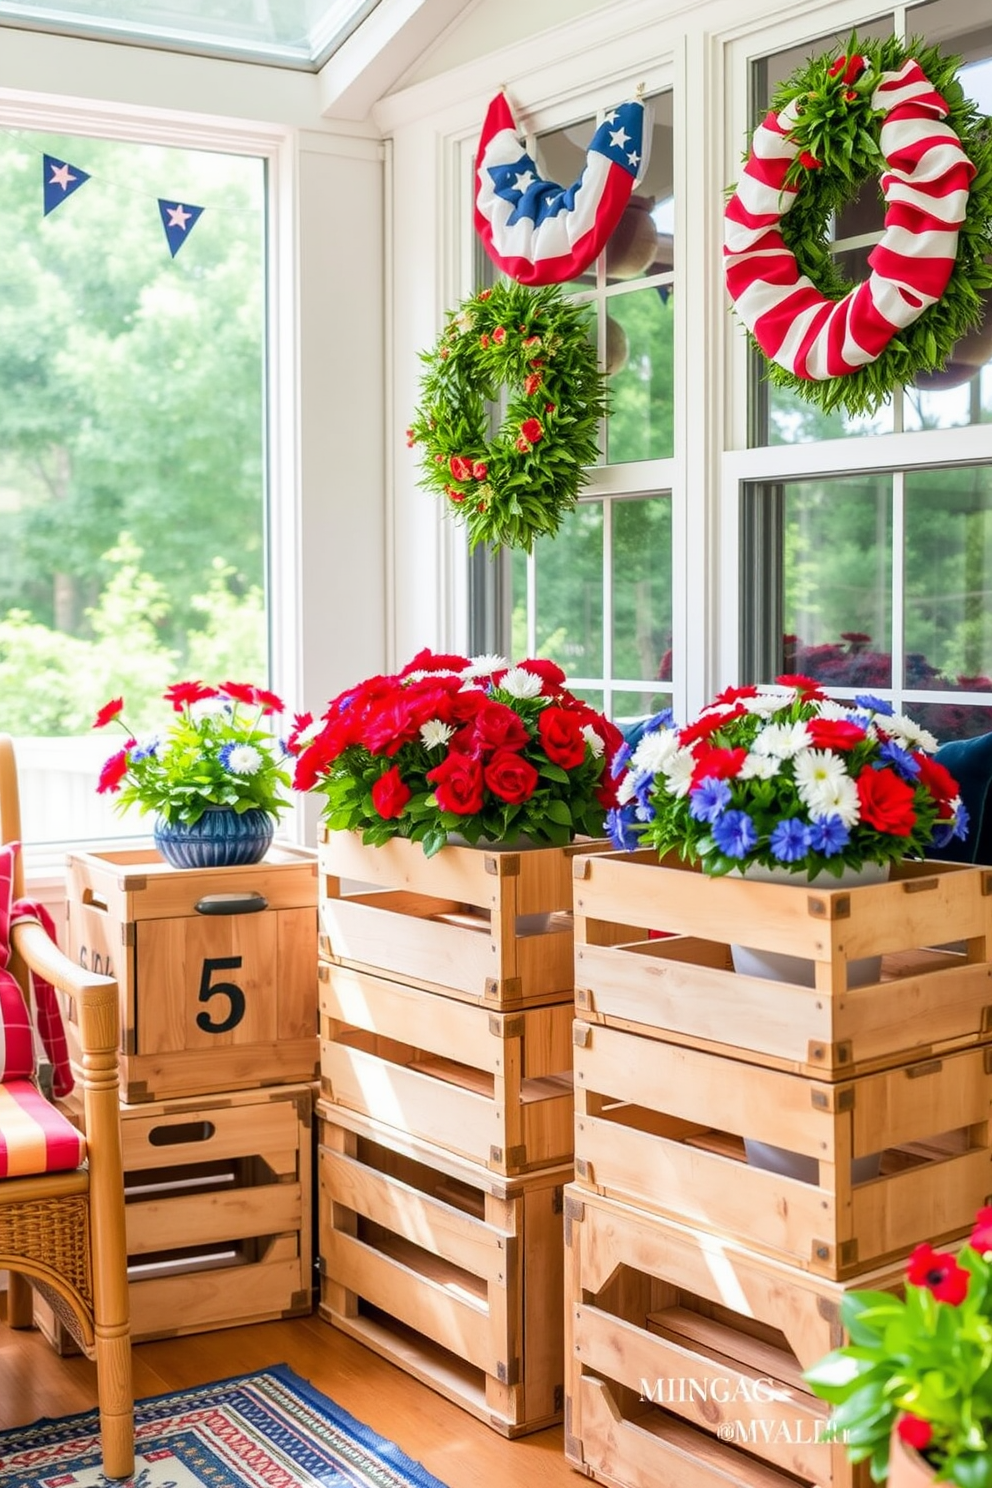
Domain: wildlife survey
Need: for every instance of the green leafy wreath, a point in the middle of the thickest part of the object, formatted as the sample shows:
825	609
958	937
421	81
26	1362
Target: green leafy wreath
515	485
835	128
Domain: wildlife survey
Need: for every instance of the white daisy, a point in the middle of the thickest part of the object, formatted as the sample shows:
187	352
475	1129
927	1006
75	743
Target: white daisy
213	707
782	740
520	683
678	772
835	798
484	666
593	740
759	767
434	732
909	734
817	769
625	788
831	708
766	702
654	750
243	759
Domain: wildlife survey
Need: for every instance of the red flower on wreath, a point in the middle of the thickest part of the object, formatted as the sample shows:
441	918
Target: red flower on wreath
532	383
461	469
499	335
809	161
532	430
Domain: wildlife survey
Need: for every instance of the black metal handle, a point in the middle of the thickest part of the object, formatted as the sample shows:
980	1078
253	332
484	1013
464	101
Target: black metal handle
231	904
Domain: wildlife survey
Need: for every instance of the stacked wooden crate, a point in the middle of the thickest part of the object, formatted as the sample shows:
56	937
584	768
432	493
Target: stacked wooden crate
446	1115
699	1286
218	1065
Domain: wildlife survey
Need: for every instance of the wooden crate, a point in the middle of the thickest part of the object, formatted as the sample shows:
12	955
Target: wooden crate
218	1210
683	988
453	1273
684	1356
661	1126
488	925
494	1087
216	967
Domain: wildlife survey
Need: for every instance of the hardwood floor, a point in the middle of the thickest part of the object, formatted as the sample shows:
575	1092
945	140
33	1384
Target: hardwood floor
450	1443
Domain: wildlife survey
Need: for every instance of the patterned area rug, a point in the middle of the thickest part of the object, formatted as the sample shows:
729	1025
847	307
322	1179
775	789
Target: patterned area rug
266	1430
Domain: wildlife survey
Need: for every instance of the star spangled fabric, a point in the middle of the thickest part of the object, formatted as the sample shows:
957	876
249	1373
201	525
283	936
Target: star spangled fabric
178	221
59	179
538	232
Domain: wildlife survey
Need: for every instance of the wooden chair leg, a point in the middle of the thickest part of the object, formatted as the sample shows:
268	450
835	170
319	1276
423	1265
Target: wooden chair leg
20	1301
116	1396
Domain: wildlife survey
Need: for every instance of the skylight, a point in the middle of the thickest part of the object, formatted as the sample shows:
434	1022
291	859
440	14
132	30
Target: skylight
286	33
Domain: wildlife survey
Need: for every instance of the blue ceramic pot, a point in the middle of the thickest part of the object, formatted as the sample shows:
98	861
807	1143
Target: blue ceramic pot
222	838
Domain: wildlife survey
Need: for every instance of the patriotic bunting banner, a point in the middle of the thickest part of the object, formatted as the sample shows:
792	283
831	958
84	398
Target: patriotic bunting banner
59	180
178	221
536	231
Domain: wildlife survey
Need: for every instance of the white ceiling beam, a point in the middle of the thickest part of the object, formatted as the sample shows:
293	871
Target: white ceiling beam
384	47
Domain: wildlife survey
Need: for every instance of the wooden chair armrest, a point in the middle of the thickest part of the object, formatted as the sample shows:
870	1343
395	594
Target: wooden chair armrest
96	999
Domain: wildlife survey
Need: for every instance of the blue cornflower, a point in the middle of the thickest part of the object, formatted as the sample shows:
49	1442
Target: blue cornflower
734	834
790	840
620	828
146	751
661	720
828	835
644	811
874	704
901	760
963	819
710	799
620	759
643	786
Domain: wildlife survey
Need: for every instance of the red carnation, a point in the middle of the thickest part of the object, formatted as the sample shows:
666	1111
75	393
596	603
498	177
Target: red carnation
939	1272
457	783
115	769
981	1236
499	335
511	777
707	725
461	469
834	733
915	1432
936	778
480	470
109	712
532	430
390	794
808	686
718	764
484	340
562	737
549	672
532	383
887	802
809	161
411	438
734	694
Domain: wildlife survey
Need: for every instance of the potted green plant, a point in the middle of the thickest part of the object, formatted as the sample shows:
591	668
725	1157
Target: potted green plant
214	776
478	748
911	1390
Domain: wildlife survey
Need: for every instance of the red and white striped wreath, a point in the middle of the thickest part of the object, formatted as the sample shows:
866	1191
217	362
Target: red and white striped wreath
925	185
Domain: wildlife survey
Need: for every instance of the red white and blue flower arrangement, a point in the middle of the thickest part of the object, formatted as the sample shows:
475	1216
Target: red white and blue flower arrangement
485	749
785	776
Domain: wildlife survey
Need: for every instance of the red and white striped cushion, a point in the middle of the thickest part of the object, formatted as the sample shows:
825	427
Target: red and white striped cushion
925	186
35	1137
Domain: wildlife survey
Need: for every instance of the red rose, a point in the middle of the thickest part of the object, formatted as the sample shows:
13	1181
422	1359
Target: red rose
914	1432
115	769
495	726
457	783
562	737
461	469
532	431
887	803
834	733
549	672
390	794
981	1236
511	777
939	1272
108	712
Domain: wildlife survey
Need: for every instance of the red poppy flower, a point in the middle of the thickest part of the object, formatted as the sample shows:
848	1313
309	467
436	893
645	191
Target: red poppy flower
115	769
181	694
981	1236
939	1272
108	712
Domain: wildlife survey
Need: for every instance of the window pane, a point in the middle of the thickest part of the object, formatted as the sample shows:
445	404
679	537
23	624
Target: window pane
837	577
569	578
132	542
642	588
949	578
642	396
628	707
952	721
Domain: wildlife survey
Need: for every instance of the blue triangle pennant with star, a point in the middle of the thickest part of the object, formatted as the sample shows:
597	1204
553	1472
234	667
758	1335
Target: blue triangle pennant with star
178	221
60	179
